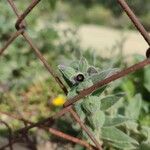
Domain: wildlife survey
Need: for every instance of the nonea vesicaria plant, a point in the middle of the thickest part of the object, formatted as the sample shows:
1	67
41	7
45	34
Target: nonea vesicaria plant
97	110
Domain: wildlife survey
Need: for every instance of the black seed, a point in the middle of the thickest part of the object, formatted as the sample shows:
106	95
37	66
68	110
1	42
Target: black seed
80	77
148	53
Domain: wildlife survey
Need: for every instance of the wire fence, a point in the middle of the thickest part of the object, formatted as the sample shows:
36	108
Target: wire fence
46	124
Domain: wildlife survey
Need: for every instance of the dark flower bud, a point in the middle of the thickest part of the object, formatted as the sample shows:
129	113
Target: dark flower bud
79	77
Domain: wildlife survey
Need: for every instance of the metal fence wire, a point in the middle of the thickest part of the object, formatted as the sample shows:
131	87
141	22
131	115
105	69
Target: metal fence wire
46	124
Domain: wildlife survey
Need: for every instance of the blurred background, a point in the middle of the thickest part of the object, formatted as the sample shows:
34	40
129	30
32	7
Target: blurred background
63	30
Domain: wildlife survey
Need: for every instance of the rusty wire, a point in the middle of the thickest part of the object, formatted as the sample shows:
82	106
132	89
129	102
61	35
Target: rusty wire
46	123
9	132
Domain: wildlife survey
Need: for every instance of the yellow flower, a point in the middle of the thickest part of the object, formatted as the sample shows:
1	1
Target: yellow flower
59	100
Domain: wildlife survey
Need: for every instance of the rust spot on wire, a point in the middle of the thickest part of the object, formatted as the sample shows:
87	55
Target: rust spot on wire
148	53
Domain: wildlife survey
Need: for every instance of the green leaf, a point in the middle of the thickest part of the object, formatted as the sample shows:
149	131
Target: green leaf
134	107
128	87
99	91
102	75
83	65
115	135
115	121
132	127
91	104
83	85
144	146
127	146
96	120
147	79
75	65
109	101
68	72
78	109
146	132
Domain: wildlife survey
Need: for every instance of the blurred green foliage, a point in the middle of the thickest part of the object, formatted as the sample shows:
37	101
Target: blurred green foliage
26	88
99	12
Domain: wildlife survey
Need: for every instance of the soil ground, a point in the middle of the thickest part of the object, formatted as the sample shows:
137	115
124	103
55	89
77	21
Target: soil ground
102	39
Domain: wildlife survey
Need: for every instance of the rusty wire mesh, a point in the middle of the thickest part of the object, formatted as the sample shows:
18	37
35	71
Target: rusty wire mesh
46	123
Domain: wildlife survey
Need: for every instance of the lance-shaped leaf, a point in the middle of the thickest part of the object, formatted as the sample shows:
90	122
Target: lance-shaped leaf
109	101
67	73
134	107
91	104
75	65
99	91
102	75
83	65
124	146
96	120
112	134
115	121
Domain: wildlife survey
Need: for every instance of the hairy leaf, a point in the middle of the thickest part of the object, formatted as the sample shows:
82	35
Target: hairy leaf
124	146
115	121
91	104
99	91
97	119
115	135
75	65
109	101
83	85
83	65
102	75
134	107
68	72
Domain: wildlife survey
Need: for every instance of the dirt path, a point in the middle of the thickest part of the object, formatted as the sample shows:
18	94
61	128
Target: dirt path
102	39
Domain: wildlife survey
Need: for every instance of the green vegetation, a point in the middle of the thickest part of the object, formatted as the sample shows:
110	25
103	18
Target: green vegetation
27	89
100	111
115	17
